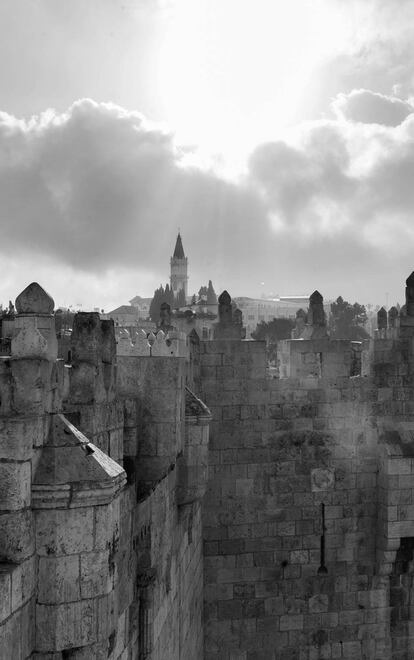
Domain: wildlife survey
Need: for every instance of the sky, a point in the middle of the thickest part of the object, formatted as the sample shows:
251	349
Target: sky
277	136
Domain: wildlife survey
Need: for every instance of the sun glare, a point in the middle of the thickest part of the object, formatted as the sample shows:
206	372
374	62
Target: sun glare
236	72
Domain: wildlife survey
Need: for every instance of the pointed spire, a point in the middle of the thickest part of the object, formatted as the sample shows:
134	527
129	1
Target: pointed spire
179	251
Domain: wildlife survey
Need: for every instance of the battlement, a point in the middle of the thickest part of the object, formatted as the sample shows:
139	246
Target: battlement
116	463
136	341
94	450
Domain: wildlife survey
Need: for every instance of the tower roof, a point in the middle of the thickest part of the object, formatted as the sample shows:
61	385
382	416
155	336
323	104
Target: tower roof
179	251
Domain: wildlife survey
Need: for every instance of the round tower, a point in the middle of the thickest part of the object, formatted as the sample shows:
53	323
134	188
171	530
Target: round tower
179	263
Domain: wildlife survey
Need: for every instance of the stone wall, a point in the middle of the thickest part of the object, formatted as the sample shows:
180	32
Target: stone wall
101	475
308	517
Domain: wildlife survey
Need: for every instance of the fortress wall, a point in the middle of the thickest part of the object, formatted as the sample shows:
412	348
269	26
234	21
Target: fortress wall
279	449
96	561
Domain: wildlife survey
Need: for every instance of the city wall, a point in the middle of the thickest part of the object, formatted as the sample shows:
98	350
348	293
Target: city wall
308	518
309	513
101	476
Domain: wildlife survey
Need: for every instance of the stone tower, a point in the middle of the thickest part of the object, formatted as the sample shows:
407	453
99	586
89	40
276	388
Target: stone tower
179	262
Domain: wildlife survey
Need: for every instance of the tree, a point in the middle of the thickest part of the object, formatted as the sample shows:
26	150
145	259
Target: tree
165	295
272	332
158	298
180	300
211	294
202	293
194	299
347	320
169	295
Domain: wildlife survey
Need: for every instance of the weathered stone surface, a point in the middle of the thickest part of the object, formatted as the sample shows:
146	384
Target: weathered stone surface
97	574
34	300
322	479
14	485
59	579
64	531
65	626
23	582
19	436
16	535
5	592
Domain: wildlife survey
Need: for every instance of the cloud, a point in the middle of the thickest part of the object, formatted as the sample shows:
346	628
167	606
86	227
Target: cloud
362	105
94	196
342	179
98	187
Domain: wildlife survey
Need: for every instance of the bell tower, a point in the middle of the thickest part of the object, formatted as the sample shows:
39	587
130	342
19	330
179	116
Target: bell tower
179	263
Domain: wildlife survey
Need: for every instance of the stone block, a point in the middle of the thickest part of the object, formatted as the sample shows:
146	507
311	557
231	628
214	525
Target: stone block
65	626
332	512
215	592
351	650
16	535
27	628
23	582
15	481
299	556
59	579
291	622
130	441
399	529
64	531
274	606
116	448
31	386
107	525
19	436
5	591
96	574
398	466
318	603
351	617
107	615
11	642
229	609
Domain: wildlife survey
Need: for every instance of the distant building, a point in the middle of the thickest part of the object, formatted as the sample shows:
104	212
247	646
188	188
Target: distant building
142	305
258	310
179	265
193	319
125	315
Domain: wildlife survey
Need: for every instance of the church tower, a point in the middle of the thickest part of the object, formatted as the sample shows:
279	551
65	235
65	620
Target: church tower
179	262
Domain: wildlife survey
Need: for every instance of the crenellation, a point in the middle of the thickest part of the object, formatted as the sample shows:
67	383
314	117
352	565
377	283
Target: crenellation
141	478
67	505
351	387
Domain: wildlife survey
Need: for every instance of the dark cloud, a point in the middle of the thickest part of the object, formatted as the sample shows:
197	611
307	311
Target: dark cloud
297	179
99	190
371	108
99	187
342	181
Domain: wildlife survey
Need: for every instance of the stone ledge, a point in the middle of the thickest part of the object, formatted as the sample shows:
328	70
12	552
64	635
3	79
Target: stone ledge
196	412
73	472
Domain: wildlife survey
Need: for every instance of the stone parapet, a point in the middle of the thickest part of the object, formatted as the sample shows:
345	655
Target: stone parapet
316	358
137	342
